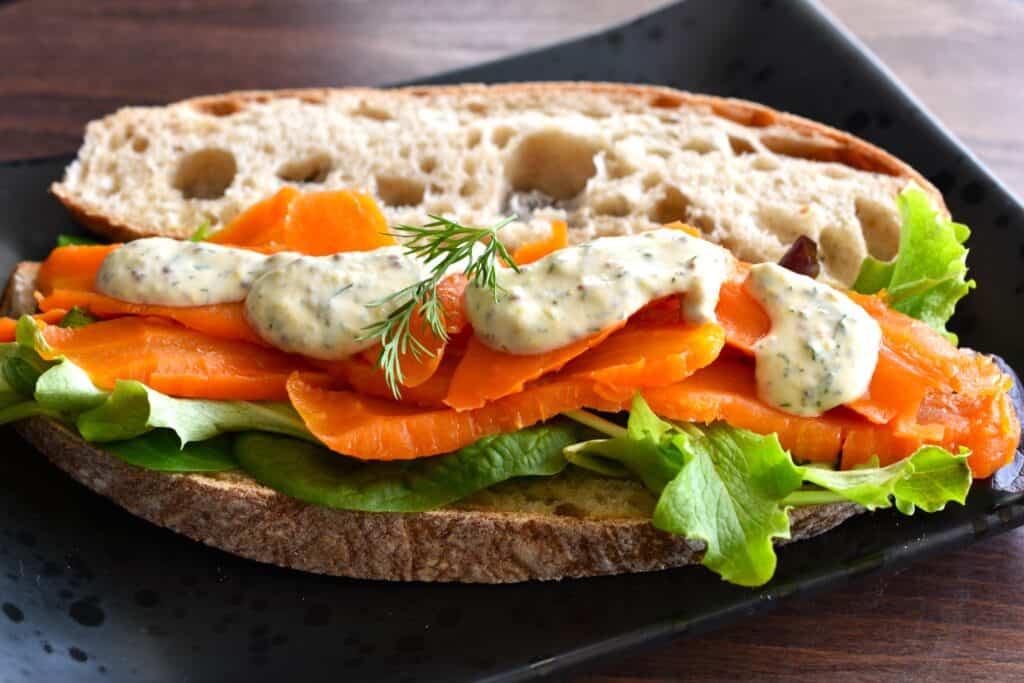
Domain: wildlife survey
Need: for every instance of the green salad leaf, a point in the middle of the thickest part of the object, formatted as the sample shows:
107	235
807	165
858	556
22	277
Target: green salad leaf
161	450
76	317
202	232
728	495
72	240
730	487
19	370
928	479
938	477
24	409
133	409
316	475
639	451
67	388
929	274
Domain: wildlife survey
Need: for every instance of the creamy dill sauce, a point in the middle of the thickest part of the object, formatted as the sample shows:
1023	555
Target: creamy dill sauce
821	351
167	272
319	306
822	348
579	291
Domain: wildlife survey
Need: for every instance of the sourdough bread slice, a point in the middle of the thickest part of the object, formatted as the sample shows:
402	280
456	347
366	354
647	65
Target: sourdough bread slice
573	525
607	158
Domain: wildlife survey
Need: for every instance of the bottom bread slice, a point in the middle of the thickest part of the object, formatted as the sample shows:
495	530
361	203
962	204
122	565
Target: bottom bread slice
232	512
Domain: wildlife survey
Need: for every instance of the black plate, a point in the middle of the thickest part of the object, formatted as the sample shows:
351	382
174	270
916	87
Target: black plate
90	592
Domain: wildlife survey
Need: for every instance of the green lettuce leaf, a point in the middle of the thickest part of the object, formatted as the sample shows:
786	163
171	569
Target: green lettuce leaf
730	487
316	475
603	456
19	370
71	240
76	317
133	409
928	479
929	274
728	495
161	450
642	451
202	232
67	388
938	477
24	409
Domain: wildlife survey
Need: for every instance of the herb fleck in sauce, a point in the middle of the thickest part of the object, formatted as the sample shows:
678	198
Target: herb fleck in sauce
577	291
822	348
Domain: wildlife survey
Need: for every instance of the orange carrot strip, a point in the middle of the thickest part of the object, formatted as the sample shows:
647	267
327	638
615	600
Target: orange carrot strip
174	360
417	370
912	359
986	424
378	429
726	390
8	326
314	223
226	321
538	249
320	223
365	378
643	355
486	374
452	293
679	225
72	267
355	424
262	224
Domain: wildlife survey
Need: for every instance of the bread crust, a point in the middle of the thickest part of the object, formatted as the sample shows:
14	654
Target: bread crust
232	512
830	144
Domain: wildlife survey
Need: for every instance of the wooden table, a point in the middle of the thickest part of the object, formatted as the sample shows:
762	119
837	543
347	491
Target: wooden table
954	618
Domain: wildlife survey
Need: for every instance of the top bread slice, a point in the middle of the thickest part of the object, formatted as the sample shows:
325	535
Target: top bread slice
607	158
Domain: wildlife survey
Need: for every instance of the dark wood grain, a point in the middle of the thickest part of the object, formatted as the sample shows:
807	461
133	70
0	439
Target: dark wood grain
953	618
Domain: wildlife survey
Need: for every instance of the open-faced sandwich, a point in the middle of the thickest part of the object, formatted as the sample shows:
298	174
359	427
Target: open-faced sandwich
501	333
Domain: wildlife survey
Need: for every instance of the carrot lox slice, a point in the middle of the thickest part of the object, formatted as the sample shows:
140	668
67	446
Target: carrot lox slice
72	267
913	359
321	223
9	326
486	374
538	249
378	429
649	355
174	360
418	368
371	428
312	223
366	378
226	321
261	225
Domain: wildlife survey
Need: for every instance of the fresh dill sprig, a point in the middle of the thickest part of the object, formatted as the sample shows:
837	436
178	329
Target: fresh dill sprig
442	244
